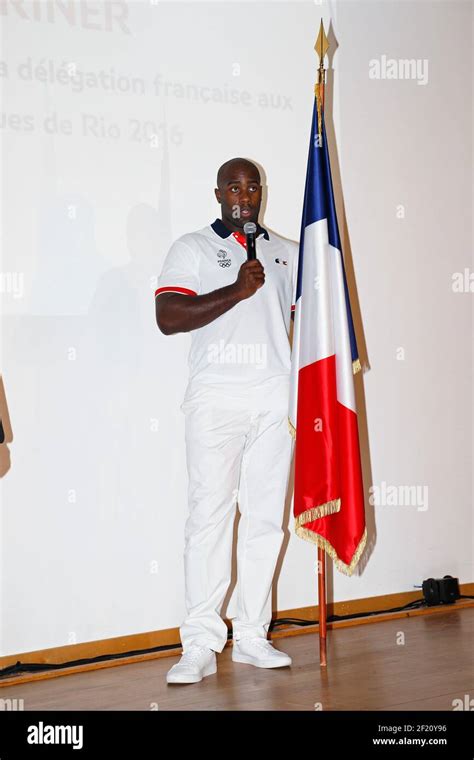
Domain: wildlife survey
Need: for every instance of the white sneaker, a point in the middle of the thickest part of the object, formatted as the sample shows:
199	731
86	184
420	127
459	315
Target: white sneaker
259	652
196	663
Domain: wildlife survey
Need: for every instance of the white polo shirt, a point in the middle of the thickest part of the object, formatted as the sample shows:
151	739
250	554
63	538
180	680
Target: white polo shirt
244	353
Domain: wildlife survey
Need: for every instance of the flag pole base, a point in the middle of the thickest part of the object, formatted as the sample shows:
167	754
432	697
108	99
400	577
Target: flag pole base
322	606
322	652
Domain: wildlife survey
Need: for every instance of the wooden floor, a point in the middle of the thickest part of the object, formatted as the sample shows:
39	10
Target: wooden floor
368	669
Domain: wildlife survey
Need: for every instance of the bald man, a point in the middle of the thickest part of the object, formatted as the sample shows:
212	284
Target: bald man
238	444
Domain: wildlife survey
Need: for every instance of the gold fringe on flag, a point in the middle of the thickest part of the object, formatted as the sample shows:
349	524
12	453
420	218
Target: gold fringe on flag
322	510
323	543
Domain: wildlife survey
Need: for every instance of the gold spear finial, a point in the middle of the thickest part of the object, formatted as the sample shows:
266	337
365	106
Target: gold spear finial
321	47
322	43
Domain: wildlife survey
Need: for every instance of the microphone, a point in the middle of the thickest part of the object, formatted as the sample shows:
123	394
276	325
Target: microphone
250	228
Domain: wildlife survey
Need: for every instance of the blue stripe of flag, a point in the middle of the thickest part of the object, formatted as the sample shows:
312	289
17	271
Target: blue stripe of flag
319	204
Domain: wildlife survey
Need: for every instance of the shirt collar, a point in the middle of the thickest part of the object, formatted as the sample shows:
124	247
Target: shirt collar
220	229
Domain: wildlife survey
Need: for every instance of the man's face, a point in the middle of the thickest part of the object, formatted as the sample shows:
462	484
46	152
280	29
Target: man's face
240	196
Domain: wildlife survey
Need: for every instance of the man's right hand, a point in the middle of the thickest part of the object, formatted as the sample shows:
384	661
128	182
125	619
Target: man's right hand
176	312
251	277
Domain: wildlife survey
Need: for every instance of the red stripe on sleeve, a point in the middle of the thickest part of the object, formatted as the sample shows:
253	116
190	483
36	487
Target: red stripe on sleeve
176	289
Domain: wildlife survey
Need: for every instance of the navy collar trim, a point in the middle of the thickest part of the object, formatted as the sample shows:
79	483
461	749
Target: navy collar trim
220	229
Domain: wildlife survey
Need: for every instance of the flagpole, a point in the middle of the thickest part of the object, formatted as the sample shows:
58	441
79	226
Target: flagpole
322	606
321	48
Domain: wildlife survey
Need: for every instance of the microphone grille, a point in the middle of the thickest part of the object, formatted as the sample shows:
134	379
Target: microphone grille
250	228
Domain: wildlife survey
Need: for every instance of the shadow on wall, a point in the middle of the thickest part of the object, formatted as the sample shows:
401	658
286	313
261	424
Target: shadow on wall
6	435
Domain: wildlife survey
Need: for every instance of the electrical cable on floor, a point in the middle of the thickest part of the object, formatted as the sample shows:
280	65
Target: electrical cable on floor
31	667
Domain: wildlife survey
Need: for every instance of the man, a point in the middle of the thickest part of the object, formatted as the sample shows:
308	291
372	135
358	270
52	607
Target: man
238	444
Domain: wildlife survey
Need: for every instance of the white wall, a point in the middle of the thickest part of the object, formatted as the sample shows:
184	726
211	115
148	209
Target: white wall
94	504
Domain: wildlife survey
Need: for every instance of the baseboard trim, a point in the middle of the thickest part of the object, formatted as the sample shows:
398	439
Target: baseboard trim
170	636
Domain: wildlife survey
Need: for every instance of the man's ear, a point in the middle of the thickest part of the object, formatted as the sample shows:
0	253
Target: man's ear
218	194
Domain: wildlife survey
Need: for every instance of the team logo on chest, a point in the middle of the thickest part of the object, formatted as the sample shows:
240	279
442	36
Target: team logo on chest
222	260
281	261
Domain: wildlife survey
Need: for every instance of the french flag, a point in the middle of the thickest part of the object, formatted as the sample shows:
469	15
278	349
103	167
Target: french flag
328	492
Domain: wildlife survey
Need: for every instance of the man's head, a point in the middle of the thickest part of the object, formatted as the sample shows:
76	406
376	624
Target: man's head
239	192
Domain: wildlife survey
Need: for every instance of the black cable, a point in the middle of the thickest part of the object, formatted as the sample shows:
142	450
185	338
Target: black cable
415	604
33	667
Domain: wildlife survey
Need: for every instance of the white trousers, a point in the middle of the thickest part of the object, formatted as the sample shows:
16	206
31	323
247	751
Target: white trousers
237	452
